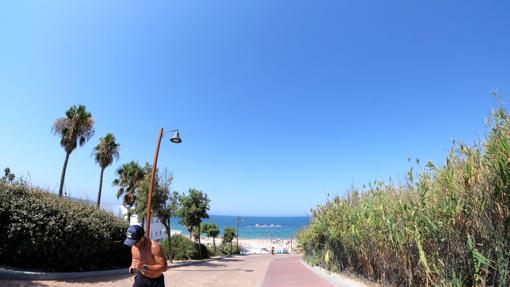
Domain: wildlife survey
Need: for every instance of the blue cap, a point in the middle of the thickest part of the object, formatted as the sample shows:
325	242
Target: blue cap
134	233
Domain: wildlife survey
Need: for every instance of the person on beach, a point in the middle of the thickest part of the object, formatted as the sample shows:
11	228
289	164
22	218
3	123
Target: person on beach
148	261
272	250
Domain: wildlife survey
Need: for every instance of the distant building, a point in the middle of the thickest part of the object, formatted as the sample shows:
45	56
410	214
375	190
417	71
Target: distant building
158	231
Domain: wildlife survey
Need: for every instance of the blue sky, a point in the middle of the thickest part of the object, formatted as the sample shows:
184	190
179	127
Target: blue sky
279	103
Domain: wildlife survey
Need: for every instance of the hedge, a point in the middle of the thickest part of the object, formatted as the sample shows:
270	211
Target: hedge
225	248
185	249
41	231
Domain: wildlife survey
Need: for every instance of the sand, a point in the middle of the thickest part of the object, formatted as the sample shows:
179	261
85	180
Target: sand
260	245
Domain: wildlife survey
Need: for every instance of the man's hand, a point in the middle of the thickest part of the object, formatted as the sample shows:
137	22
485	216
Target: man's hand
136	265
132	270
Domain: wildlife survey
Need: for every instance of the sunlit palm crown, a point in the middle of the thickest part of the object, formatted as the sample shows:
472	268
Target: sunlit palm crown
195	204
106	150
129	177
211	229
76	128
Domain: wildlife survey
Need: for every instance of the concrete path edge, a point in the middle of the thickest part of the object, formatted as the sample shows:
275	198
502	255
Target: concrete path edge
334	279
7	273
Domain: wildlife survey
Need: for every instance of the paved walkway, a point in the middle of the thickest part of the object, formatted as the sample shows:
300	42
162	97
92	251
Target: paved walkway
238	271
290	271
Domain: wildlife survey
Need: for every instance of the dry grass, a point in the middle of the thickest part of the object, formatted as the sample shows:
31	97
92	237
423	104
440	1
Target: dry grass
449	227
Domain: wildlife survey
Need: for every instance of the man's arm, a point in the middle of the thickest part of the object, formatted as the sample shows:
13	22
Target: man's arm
160	259
134	262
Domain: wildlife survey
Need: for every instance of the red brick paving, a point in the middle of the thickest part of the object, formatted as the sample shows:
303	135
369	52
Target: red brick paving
288	271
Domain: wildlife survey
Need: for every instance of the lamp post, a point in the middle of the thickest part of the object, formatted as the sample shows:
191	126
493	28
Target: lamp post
237	239
290	251
175	139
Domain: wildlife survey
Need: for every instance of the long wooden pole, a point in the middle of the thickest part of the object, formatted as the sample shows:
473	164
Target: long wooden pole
149	204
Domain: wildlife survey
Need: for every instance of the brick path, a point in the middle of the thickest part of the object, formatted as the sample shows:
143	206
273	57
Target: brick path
238	271
288	271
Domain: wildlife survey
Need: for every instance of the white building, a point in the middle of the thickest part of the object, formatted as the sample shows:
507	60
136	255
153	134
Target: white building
158	231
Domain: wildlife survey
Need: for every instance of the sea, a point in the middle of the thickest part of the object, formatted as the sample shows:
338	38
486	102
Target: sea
255	227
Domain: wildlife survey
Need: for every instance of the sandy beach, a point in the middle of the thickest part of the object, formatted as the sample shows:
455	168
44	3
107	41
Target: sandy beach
260	246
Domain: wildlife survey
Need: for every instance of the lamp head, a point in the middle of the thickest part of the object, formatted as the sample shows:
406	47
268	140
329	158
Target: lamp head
176	138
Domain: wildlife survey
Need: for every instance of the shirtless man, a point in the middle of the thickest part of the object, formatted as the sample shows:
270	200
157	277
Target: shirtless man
148	261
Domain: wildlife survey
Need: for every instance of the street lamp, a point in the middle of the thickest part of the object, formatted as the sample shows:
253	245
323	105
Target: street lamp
238	218
175	139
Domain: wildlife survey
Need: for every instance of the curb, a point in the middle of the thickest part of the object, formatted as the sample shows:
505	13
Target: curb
7	273
263	280
192	262
10	274
335	279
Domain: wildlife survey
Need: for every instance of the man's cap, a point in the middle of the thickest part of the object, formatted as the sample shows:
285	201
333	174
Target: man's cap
134	233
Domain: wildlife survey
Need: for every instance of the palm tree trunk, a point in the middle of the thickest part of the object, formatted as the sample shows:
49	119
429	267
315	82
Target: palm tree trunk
199	234
61	189
169	231
214	244
168	228
199	245
100	187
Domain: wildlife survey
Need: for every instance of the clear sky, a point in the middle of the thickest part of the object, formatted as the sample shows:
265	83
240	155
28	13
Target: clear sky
279	103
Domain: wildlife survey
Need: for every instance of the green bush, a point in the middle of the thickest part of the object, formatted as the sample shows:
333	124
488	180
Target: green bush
447	226
184	249
42	231
224	248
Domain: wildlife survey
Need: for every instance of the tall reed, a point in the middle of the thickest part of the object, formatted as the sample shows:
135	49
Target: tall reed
446	226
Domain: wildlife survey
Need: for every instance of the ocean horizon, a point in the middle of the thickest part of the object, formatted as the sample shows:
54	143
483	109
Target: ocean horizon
255	227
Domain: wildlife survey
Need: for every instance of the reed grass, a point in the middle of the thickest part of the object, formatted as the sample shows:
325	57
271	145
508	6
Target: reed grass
447	225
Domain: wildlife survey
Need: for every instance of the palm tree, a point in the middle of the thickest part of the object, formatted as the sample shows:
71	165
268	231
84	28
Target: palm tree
229	233
105	152
76	128
129	177
193	208
211	230
166	213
